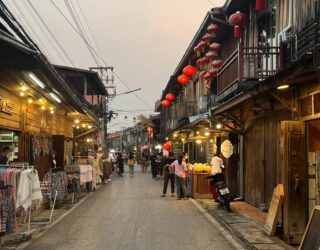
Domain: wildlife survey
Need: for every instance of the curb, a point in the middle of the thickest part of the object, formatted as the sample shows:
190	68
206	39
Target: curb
225	231
223	223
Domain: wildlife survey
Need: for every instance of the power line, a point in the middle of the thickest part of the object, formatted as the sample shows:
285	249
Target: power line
88	26
24	20
50	32
215	5
77	21
34	18
117	75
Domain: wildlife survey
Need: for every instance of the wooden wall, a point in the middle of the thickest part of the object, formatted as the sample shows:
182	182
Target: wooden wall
29	120
261	155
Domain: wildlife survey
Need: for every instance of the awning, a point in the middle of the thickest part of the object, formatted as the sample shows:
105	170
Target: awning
88	133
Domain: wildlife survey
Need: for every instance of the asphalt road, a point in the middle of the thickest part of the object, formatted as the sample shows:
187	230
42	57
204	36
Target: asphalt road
128	213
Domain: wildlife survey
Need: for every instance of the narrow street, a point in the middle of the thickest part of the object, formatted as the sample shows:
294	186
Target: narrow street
129	214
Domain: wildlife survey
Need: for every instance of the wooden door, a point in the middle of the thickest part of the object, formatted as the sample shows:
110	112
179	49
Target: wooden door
58	147
293	151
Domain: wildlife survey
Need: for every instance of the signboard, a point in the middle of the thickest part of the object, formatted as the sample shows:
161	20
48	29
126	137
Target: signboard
311	237
6	105
274	210
227	149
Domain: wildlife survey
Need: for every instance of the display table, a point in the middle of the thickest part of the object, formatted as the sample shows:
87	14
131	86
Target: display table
201	186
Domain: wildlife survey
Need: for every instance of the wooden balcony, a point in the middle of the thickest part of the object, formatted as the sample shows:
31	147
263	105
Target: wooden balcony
249	64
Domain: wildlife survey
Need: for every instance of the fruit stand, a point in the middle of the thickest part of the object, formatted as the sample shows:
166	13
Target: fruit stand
200	183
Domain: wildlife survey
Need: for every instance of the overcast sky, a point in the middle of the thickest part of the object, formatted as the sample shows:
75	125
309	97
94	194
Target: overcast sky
143	39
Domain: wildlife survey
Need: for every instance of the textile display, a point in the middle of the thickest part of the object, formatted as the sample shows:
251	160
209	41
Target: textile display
15	192
86	173
55	181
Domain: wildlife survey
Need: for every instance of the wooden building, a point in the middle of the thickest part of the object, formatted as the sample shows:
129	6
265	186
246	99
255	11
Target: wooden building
266	96
38	107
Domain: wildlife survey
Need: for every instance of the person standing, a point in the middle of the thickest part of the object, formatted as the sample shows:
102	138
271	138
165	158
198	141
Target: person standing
216	164
120	164
168	175
131	163
143	162
179	170
159	162
4	156
153	162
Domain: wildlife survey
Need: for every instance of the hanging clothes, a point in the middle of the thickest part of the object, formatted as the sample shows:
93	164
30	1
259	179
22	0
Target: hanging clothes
29	188
55	181
8	221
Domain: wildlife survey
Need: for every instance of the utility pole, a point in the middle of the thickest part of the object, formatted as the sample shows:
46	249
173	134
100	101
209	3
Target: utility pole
107	77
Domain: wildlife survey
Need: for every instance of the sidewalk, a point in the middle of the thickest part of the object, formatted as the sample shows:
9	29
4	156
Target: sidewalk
39	222
246	224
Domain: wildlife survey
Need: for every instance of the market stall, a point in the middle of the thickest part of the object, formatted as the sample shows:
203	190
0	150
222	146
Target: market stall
200	185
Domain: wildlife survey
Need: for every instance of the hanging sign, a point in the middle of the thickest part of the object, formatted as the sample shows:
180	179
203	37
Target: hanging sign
227	149
6	105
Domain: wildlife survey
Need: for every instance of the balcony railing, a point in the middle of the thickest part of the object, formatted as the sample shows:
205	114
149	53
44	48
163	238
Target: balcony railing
249	63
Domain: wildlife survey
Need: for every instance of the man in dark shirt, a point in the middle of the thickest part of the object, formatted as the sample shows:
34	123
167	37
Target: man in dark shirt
167	175
4	156
154	169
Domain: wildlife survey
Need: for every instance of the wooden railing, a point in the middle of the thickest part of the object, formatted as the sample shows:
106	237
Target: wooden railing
249	63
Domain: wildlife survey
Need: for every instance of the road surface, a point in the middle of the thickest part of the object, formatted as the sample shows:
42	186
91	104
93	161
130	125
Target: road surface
128	213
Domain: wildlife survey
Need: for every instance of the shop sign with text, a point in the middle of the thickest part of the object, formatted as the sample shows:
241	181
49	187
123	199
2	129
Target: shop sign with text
6	105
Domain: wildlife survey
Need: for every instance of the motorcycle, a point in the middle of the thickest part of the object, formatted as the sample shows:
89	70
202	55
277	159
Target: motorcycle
220	191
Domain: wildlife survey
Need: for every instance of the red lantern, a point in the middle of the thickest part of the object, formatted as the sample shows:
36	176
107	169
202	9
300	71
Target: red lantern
261	5
207	76
215	46
202	73
207	37
183	79
170	97
169	145
205	60
217	63
237	20
189	70
213	28
197	49
213	72
165	147
202	45
210	55
207	85
199	61
165	103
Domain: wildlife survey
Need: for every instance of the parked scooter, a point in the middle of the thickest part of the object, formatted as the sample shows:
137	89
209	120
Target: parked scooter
220	191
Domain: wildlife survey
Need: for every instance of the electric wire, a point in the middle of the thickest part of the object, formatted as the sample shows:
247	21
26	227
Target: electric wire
116	75
215	5
50	32
79	27
88	26
53	45
24	20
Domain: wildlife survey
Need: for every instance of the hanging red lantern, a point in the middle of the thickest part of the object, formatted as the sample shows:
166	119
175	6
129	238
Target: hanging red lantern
210	55
205	60
217	63
237	20
165	103
207	37
202	73
213	72
170	97
169	145
202	45
189	70
207	85
213	28
197	49
261	5
183	79
215	46
199	61
207	76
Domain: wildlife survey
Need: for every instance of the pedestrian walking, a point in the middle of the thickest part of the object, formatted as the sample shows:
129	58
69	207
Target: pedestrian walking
168	174
179	167
131	163
107	169
120	164
154	168
144	162
159	162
